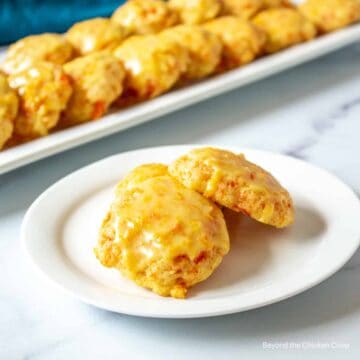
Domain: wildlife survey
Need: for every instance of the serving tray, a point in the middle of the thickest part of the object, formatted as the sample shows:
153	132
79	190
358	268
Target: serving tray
122	119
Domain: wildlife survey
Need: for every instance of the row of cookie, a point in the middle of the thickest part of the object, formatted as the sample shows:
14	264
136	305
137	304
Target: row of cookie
135	17
140	17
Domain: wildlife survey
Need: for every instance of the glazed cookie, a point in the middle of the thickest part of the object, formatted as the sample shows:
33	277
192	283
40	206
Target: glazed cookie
46	47
245	9
330	15
44	90
160	234
284	27
204	48
242	41
97	80
152	65
139	17
232	181
268	4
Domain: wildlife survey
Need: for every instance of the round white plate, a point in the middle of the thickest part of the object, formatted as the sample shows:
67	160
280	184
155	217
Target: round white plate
264	265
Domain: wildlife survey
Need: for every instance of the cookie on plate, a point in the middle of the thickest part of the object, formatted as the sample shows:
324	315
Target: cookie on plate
245	9
268	4
95	35
242	40
43	89
97	79
232	181
152	65
160	234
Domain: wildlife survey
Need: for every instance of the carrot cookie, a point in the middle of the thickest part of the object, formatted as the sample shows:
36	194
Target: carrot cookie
232	181
196	11
204	48
245	9
139	17
44	90
160	234
152	65
284	27
330	15
242	41
97	80
95	35
46	47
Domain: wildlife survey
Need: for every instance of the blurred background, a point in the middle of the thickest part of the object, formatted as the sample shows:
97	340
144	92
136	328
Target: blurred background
19	18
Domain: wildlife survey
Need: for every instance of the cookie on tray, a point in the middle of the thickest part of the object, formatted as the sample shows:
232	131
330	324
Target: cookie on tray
242	41
152	65
330	15
97	79
284	27
245	9
48	47
140	17
196	11
95	35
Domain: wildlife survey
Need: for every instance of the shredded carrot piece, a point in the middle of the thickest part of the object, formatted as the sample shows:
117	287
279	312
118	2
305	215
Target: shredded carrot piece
99	109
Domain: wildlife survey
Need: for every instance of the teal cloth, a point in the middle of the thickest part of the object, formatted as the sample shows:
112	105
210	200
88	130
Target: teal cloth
19	18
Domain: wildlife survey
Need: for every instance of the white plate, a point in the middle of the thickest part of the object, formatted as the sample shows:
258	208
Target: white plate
112	123
264	265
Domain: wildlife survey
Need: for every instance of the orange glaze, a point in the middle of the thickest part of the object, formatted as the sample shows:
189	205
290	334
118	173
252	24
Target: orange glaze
232	181
161	234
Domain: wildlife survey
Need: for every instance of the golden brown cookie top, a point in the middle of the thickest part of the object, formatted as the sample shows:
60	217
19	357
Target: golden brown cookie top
284	27
44	90
329	15
154	71
232	181
245	9
45	47
160	234
94	35
159	217
139	17
196	11
204	48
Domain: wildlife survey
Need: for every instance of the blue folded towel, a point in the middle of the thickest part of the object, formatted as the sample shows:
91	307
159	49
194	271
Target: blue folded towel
19	18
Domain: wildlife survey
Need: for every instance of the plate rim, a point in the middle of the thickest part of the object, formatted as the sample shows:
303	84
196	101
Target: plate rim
235	309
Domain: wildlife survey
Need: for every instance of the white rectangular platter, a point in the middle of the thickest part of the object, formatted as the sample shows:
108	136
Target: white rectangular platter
174	100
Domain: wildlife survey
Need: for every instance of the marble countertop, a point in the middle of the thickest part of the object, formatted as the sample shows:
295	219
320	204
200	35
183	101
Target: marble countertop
311	112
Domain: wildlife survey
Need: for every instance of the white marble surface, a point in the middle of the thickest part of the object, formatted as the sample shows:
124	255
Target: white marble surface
312	112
